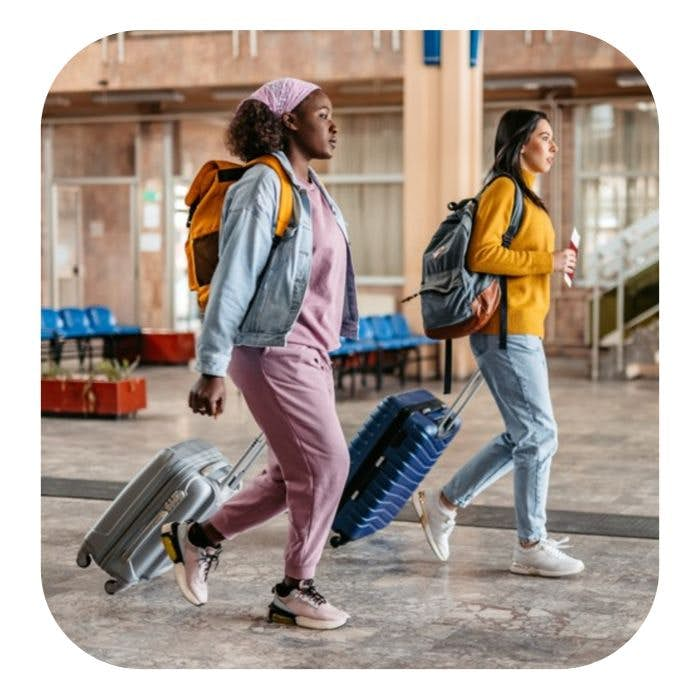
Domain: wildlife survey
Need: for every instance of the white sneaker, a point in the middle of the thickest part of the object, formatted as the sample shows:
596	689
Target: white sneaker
192	564
436	520
304	606
545	559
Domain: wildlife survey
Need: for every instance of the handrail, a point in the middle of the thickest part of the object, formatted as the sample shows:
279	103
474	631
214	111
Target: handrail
631	251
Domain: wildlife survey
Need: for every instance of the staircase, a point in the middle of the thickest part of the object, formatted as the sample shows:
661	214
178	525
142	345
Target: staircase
625	299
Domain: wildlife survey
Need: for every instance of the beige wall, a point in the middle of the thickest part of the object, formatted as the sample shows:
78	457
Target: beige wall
508	52
191	60
207	59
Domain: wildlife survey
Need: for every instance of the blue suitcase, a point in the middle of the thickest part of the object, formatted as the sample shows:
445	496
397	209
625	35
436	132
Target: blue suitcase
391	454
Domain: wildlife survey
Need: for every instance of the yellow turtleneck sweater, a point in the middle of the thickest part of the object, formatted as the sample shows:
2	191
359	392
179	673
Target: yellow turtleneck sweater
528	261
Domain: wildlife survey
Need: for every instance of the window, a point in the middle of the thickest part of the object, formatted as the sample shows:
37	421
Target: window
365	177
617	170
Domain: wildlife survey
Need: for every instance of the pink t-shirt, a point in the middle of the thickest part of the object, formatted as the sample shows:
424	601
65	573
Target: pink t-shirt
318	323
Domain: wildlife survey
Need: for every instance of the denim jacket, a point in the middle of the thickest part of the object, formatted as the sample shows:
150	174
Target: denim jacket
251	303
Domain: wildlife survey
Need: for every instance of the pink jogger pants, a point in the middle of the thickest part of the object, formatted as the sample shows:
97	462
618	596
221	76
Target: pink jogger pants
289	390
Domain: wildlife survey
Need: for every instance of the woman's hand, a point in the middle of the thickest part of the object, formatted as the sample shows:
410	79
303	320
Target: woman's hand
564	260
208	395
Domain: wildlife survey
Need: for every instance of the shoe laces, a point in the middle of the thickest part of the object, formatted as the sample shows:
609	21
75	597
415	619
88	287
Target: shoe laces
206	560
308	592
555	546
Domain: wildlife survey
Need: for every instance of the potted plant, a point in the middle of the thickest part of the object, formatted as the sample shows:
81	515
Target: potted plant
108	390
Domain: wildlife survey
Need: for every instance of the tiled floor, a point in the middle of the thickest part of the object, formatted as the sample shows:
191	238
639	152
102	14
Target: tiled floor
408	610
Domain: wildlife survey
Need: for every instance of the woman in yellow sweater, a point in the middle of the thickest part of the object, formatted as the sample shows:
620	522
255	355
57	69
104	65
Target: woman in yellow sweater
517	374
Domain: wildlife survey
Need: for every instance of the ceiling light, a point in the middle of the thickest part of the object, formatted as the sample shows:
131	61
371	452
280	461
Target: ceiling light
630	80
122	97
56	101
530	83
228	95
646	106
373	88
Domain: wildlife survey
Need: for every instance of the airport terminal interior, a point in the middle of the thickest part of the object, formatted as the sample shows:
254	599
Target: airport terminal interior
126	124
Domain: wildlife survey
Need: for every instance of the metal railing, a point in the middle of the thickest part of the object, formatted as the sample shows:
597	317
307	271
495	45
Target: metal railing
633	250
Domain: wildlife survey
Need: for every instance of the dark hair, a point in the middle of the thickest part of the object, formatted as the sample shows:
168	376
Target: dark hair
514	129
254	131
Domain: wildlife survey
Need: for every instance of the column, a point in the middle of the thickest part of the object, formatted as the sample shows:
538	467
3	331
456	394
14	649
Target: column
443	115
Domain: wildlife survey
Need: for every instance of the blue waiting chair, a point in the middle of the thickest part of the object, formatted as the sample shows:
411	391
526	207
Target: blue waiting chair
354	354
104	324
413	342
76	326
51	324
52	333
388	344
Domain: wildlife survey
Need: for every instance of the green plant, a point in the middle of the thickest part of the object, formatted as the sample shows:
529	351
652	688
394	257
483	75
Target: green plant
50	370
114	370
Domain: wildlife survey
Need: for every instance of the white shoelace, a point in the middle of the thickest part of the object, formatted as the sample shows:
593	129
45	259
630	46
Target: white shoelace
555	546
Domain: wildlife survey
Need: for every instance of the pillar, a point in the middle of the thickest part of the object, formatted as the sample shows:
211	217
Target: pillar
443	125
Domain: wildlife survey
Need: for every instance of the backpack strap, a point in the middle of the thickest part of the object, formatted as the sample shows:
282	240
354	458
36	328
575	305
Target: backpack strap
516	218
447	381
286	201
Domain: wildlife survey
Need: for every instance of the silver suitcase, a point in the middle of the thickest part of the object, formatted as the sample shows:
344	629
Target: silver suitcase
189	480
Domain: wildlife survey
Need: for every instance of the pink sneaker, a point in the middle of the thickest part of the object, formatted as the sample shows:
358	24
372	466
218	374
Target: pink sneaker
304	606
192	564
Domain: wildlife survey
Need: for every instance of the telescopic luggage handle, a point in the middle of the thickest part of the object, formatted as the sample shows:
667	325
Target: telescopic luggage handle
246	460
463	398
225	477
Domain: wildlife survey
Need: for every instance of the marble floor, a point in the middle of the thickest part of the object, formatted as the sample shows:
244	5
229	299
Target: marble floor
408	611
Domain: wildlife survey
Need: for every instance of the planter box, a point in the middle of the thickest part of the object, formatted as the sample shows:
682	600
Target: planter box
163	347
92	397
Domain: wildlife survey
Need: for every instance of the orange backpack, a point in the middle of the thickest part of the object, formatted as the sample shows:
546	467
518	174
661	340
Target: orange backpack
205	199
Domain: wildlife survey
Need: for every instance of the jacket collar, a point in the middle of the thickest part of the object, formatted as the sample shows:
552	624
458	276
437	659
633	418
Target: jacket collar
286	164
282	157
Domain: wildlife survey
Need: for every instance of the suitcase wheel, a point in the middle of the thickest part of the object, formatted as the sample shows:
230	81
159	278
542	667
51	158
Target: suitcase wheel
112	586
337	541
83	559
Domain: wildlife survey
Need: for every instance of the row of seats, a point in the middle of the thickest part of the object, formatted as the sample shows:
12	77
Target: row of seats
385	342
58	326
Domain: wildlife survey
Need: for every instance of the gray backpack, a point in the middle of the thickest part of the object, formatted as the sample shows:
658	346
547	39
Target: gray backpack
456	302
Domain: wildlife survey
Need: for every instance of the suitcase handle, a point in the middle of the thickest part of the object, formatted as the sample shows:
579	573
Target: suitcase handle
236	472
464	397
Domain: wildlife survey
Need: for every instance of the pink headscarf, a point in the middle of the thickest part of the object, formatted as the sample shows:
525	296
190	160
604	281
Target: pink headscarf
282	95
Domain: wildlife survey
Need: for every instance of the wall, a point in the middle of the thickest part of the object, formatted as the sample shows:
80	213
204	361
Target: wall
207	59
508	53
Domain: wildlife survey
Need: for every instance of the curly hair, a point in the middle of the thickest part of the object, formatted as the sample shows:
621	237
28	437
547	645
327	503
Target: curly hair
254	131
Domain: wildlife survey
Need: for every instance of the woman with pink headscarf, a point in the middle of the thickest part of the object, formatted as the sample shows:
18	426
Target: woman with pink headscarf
275	311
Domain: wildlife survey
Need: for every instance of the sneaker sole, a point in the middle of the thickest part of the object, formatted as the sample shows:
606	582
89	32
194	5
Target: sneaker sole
282	617
172	549
417	500
534	571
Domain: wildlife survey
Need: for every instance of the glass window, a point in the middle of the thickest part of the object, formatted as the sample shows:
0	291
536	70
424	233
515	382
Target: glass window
617	172
365	177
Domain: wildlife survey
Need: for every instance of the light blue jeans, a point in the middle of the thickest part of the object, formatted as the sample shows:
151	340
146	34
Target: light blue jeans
519	383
